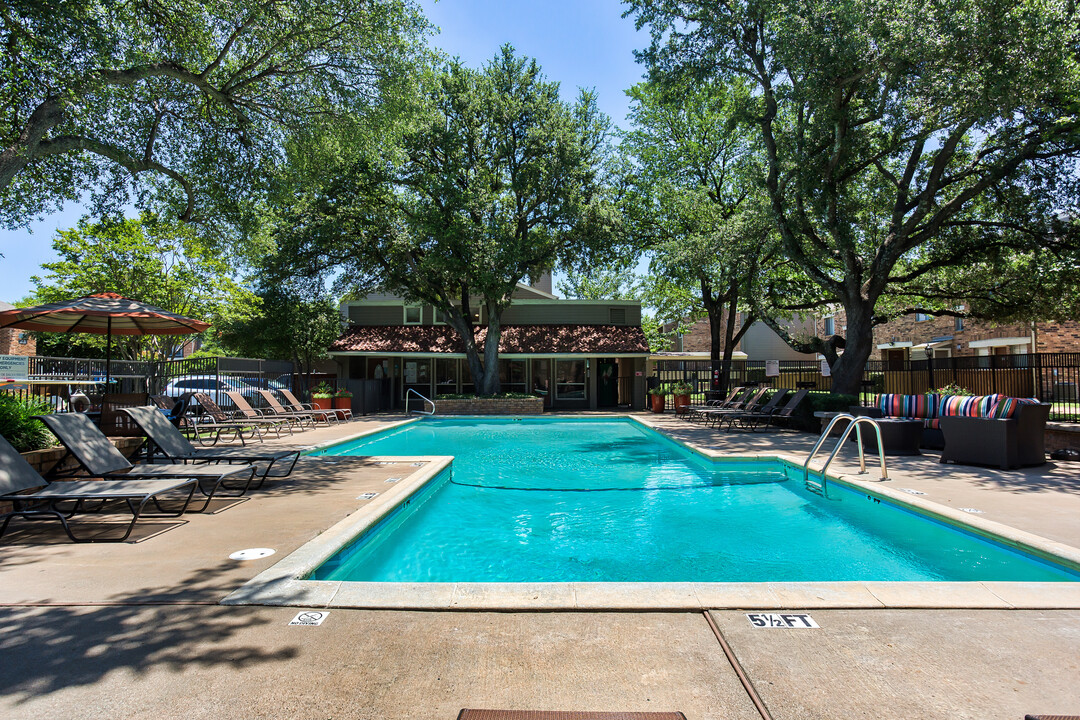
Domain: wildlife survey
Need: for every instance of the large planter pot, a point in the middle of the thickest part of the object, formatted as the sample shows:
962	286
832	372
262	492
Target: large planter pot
657	403
681	403
343	403
322	403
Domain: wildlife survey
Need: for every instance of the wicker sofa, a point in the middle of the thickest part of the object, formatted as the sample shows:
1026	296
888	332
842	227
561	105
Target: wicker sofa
974	429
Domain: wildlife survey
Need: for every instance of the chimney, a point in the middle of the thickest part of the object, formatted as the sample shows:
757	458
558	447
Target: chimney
543	283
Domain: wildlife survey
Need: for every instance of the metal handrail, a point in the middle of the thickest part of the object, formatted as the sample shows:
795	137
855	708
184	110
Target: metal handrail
419	412
855	422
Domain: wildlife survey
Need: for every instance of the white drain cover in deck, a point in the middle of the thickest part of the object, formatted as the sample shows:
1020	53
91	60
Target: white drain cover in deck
252	554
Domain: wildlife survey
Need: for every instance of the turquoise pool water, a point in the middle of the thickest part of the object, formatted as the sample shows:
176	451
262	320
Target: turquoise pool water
555	500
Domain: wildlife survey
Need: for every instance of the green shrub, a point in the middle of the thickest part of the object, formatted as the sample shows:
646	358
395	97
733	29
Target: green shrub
803	417
953	389
19	427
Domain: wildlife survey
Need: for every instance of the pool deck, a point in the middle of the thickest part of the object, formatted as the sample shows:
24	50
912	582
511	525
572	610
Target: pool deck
137	629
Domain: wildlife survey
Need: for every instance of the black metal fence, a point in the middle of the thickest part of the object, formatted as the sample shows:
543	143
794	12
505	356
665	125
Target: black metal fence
1050	377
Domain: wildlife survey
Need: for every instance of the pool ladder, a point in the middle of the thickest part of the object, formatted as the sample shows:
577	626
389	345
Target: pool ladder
412	392
818	485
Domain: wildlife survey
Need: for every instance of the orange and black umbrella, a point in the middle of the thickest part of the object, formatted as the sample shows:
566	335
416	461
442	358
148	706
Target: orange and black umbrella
102	314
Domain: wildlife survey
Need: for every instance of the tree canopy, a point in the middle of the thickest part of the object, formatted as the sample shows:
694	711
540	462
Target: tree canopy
899	141
151	260
496	182
197	97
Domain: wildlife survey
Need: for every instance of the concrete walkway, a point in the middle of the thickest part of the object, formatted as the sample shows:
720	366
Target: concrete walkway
133	630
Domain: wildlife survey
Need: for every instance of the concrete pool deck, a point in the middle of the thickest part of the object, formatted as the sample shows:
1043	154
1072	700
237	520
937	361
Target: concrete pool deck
135	629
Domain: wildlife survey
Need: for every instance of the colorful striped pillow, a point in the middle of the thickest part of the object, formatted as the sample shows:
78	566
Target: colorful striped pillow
959	405
907	406
1006	407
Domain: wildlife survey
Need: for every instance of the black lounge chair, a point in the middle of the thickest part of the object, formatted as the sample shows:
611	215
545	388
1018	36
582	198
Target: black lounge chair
749	402
767	409
245	411
33	497
177	449
694	411
97	457
753	420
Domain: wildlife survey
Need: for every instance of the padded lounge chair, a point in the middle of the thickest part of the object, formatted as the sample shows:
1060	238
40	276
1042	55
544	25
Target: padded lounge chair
311	416
97	457
753	420
296	406
250	413
33	497
220	421
176	448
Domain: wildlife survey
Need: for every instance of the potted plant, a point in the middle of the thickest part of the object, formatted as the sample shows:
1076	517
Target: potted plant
657	394
322	396
681	392
342	399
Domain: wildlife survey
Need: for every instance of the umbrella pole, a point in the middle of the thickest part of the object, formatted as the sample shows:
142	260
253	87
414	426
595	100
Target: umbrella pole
108	355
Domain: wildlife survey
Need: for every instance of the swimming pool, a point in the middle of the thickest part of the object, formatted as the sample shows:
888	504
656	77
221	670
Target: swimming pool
608	500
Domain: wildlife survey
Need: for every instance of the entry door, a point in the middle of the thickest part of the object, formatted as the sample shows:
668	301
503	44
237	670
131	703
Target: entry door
607	383
894	359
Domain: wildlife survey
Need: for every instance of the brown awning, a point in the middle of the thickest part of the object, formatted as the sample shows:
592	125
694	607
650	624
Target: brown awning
515	340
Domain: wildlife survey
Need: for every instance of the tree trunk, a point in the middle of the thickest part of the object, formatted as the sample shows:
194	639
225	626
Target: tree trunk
847	369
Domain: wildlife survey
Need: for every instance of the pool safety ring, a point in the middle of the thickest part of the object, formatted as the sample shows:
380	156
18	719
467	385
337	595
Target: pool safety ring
252	554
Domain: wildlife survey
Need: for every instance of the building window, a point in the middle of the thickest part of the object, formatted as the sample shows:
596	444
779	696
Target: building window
829	324
570	379
512	376
413	314
446	375
617	316
24	338
921	317
959	324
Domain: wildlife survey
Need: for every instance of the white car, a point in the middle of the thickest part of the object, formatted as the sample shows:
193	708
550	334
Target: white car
216	386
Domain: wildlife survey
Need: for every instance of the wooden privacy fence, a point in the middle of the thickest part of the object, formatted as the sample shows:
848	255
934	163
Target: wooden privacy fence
1050	377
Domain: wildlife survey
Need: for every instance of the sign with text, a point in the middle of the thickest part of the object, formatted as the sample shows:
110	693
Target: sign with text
309	618
826	371
772	368
16	367
793	621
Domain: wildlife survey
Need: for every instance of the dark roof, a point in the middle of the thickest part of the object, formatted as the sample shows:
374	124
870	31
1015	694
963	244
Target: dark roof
515	339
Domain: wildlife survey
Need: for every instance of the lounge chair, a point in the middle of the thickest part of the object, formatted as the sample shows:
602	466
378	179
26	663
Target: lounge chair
753	420
32	496
766	409
297	406
220	421
694	411
250	413
751	400
98	457
176	448
311	416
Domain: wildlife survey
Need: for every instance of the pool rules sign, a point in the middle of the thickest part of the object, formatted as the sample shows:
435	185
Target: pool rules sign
788	621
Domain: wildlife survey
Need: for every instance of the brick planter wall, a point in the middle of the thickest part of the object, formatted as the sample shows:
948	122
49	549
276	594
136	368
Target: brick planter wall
491	406
1062	436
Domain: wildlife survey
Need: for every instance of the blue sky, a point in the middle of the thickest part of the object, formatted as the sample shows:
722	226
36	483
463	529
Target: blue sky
578	44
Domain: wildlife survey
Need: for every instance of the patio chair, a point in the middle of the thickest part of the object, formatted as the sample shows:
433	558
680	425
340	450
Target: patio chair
250	413
177	449
311	416
753	420
297	406
97	457
694	411
33	497
767	409
750	401
220	421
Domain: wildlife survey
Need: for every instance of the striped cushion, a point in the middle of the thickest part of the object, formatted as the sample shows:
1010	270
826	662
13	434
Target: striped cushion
934	423
1006	407
908	406
968	405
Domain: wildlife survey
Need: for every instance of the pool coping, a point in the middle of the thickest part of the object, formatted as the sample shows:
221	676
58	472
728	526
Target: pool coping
281	584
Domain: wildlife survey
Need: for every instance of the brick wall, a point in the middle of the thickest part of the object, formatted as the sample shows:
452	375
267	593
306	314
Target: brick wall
491	406
9	343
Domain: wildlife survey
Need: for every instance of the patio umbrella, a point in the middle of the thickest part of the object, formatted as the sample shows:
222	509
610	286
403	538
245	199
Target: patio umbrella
102	314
